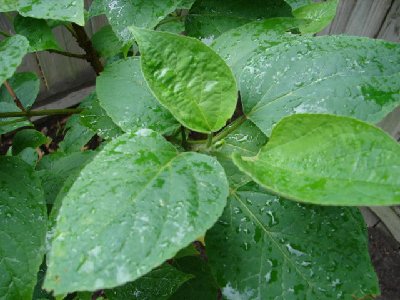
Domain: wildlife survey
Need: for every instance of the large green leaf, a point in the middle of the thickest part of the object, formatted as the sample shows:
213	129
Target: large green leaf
342	75
125	96
65	10
134	206
188	78
320	15
209	18
22	228
329	160
159	284
265	247
25	85
106	43
12	51
37	32
145	14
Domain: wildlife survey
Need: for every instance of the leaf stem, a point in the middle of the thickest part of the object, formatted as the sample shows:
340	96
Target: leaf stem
14	96
230	128
209	140
46	112
68	54
4	33
13	121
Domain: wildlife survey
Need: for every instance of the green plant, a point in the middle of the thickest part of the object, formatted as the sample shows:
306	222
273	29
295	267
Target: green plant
269	177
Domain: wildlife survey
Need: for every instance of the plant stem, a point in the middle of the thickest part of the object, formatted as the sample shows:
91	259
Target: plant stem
46	112
230	128
68	54
14	96
209	140
85	43
13	121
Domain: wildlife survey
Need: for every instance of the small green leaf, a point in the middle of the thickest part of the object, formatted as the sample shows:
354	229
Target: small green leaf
158	197
77	135
320	15
209	18
12	51
328	160
188	78
95	118
265	247
351	76
29	155
106	42
37	32
298	3
28	138
159	284
65	10
145	14
136	107
22	228
25	85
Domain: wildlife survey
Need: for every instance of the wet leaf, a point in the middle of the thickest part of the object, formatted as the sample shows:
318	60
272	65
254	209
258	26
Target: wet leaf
65	10
37	32
25	85
158	197
341	75
158	284
209	18
12	51
320	15
266	247
97	8
145	14
328	160
136	106
188	78
107	43
22	228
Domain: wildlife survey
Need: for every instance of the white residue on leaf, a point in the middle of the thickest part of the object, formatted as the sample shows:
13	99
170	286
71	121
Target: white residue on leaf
87	267
210	85
144	132
122	274
95	251
232	294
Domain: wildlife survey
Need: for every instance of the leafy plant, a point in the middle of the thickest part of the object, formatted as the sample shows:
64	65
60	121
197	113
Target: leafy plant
231	161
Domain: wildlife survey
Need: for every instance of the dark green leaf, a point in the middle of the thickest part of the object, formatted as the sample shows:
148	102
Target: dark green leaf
10	124
25	85
341	75
37	32
328	160
22	228
12	51
265	247
209	18
188	78
186	4
172	25
65	10
77	135
29	155
158	284
28	138
136	106
106	42
136	193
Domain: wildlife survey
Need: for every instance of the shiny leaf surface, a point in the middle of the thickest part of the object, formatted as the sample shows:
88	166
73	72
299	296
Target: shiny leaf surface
158	284
341	75
328	160
136	106
188	78
208	18
159	197
65	10
266	247
22	228
12	51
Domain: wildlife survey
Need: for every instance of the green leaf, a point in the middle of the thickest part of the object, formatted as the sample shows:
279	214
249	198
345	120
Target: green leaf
158	197
320	14
37	32
22	228
159	284
145	14
65	10
298	3
29	155
246	140
12	51
56	168
202	286
10	124
28	138
328	160
77	135
95	118
188	78
97	8
136	106
106	42
25	85
350	76
265	247
172	25
186	4
209	18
